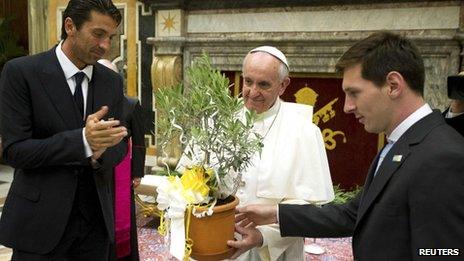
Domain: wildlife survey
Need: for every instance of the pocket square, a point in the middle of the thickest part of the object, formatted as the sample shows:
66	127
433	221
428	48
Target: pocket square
397	158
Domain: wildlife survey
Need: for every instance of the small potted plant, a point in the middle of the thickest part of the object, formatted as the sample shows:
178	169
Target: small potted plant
216	133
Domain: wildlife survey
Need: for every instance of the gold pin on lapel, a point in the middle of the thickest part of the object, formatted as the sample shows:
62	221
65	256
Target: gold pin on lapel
397	158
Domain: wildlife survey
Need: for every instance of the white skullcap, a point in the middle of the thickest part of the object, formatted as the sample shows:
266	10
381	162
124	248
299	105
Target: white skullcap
274	52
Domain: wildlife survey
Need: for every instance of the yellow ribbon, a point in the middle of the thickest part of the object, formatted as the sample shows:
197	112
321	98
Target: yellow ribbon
162	225
188	240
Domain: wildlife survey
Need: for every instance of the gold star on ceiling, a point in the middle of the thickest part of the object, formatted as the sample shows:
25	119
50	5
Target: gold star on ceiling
169	23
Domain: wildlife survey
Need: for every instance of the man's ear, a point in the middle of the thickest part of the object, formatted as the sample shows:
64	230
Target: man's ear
69	26
396	84
284	85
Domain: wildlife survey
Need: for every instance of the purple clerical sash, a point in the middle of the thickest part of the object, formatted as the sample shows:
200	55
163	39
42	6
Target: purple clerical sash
122	204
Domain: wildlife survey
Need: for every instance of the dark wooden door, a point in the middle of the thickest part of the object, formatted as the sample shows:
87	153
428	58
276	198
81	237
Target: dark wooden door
17	9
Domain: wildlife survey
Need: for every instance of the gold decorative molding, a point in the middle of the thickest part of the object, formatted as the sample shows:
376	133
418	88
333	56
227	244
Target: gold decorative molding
381	141
132	47
237	84
166	71
37	23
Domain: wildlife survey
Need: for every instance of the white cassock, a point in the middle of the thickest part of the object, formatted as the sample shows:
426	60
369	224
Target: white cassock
292	169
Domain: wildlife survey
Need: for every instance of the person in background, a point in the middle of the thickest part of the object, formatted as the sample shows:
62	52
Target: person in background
454	115
292	166
128	174
411	202
127	177
60	112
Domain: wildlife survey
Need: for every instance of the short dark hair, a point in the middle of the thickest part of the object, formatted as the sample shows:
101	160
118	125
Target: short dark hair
383	52
79	12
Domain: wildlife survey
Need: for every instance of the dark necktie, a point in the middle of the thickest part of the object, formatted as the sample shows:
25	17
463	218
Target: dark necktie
78	96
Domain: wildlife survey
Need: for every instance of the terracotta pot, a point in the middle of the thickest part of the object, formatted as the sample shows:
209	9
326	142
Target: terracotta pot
210	234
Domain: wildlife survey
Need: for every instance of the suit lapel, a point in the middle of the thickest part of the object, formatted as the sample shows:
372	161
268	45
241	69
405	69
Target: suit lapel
390	164
57	89
369	177
392	161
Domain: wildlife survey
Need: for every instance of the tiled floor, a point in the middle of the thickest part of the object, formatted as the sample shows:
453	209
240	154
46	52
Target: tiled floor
6	176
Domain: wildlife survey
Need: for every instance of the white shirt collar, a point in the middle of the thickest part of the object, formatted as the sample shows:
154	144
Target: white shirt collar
272	111
68	67
420	113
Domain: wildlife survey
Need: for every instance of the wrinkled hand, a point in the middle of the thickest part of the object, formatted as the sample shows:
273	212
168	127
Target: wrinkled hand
457	106
251	237
101	134
136	182
258	214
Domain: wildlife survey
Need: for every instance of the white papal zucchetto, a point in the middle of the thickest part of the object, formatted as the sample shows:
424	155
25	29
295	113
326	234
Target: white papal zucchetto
274	52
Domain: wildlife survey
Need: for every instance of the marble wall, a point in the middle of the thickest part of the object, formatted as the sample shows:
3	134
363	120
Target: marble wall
314	36
335	19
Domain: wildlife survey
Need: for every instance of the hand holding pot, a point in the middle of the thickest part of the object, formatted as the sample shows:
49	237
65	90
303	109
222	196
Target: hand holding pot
258	214
251	237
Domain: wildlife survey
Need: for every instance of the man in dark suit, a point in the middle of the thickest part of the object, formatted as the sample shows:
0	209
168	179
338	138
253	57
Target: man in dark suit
454	115
59	114
411	203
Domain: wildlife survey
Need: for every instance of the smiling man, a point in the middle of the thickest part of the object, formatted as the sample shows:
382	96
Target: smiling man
53	107
292	166
412	198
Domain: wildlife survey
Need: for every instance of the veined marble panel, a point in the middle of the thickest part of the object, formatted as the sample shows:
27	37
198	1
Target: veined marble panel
413	18
316	54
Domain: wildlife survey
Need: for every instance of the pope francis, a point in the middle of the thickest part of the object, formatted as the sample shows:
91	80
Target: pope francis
292	167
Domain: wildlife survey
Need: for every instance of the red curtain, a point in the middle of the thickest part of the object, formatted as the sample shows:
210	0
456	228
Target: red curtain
350	149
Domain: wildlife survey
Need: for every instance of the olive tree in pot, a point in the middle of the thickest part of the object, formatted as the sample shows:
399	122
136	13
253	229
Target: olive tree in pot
216	132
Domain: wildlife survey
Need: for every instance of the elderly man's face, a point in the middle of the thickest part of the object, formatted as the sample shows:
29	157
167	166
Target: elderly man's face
261	83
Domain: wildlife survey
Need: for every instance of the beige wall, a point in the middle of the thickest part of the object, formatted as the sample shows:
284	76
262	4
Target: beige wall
129	35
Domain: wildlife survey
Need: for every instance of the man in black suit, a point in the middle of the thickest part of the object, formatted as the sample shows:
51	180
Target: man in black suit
454	115
411	203
59	114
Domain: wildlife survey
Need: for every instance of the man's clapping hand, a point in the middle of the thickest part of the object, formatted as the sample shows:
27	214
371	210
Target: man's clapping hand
101	134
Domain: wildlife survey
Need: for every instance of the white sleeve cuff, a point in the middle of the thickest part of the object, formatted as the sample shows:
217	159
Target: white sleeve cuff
264	238
88	150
